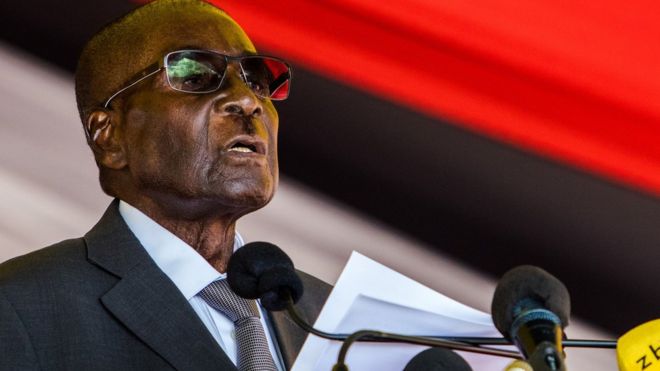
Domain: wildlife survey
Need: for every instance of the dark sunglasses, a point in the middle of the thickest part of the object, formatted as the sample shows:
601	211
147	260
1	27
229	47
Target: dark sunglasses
202	71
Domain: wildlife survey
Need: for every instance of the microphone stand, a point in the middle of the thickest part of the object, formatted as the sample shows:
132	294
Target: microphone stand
373	335
467	344
379	336
474	341
566	343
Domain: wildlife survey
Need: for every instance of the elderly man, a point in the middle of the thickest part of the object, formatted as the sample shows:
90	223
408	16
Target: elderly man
176	106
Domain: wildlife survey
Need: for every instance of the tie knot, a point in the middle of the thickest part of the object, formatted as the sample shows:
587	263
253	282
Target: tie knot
219	295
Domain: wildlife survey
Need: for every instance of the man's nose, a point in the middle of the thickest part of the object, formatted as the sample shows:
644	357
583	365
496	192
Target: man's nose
238	99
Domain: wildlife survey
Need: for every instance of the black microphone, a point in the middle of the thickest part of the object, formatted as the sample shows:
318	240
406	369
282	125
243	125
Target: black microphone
531	307
261	270
437	359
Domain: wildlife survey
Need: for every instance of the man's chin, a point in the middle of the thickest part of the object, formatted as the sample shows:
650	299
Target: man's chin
243	197
252	202
233	202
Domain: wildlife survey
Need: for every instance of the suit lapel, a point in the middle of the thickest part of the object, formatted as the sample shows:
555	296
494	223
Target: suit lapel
147	302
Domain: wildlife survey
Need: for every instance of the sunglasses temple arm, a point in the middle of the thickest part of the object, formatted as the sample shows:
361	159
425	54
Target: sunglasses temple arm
107	103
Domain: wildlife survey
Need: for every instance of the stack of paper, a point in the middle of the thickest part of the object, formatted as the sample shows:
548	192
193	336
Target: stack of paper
369	295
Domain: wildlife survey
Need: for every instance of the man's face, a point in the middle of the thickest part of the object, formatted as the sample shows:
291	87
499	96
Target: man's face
188	152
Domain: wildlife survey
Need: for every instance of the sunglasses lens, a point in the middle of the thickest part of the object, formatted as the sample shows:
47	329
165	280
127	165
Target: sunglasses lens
201	72
195	72
268	77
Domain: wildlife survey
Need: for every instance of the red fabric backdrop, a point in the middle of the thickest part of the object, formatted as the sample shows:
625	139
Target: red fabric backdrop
575	81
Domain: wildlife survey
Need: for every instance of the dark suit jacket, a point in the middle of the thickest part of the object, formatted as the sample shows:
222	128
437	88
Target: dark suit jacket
101	303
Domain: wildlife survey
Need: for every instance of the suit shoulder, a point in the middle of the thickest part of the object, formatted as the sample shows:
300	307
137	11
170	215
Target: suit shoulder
43	263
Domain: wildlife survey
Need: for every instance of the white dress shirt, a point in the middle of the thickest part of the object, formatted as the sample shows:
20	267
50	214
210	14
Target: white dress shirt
191	273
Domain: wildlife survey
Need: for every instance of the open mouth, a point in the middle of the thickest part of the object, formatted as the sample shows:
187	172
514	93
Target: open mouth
246	144
242	147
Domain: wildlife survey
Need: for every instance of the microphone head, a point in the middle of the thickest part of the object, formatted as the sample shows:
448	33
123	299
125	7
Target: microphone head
437	359
528	287
261	270
639	349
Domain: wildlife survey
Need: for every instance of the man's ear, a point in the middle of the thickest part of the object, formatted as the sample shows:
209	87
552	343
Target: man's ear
104	137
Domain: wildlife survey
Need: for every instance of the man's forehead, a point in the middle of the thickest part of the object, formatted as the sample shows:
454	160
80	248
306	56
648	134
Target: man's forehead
217	33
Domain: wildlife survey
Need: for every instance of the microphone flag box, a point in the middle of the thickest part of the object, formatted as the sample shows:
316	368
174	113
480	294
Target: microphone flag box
639	348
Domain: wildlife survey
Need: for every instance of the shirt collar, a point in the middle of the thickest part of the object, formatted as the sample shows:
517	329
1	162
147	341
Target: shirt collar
189	271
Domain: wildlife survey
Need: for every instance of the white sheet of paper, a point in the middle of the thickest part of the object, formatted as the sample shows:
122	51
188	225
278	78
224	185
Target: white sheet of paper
369	295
